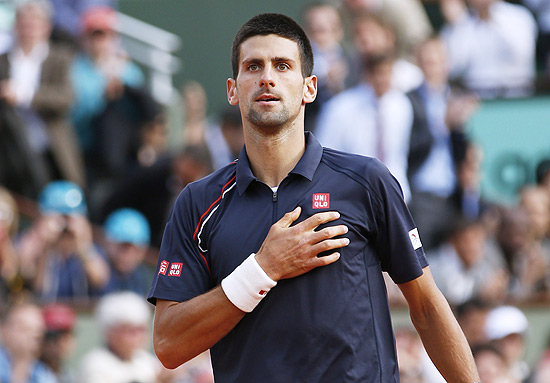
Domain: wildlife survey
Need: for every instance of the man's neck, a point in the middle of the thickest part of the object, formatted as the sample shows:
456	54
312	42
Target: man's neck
273	156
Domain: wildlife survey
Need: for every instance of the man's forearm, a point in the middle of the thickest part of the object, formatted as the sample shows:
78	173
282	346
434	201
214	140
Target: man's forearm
446	344
184	330
440	333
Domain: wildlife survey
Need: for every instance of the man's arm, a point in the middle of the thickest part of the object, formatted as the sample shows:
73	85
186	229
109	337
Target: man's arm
182	330
440	333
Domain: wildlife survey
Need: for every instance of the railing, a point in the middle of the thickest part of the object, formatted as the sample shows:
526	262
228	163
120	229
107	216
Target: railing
153	48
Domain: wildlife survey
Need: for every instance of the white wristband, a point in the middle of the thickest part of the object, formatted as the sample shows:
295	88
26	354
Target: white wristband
247	285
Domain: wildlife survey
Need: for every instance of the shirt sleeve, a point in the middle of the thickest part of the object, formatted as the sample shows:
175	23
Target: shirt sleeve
182	270
397	242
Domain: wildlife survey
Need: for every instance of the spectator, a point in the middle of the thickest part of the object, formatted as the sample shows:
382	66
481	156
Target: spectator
407	17
371	119
471	316
462	270
492	365
165	180
436	140
513	247
59	340
104	112
22	332
323	25
127	238
9	262
542	370
195	107
67	17
541	11
124	319
492	48
35	94
58	254
372	36
226	140
506	328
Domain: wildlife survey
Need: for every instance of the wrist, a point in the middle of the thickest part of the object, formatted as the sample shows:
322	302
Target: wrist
247	285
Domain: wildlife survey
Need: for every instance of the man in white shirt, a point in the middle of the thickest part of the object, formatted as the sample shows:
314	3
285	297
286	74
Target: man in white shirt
492	47
371	119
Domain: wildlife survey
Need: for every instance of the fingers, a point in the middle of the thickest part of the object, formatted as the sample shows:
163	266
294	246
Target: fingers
289	217
318	219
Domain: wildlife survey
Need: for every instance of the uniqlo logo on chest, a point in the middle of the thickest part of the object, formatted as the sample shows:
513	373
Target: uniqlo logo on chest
163	267
175	270
321	200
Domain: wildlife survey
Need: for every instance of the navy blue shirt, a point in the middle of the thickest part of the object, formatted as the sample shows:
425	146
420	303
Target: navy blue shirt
329	325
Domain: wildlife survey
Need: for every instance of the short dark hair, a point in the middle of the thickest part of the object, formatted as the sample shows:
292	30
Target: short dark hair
273	24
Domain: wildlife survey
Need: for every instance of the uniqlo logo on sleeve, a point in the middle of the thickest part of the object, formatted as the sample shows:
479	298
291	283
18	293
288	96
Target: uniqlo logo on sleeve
175	269
321	201
163	267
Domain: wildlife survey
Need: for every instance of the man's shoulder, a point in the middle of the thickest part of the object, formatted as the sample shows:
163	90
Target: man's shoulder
361	168
208	189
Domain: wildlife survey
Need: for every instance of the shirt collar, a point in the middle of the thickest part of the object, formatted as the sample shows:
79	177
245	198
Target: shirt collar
306	167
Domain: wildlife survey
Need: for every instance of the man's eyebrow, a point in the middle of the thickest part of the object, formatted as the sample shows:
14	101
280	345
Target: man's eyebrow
282	59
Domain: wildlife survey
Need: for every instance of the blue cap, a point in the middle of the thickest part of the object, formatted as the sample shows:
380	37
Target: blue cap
62	197
127	225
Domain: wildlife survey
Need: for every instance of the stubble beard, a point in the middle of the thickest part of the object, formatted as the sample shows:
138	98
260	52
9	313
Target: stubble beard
269	122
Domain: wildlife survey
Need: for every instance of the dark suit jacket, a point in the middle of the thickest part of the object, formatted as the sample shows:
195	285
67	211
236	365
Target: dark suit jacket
52	102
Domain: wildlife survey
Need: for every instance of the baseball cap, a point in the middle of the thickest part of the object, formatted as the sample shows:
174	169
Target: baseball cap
127	225
62	197
505	320
99	18
58	317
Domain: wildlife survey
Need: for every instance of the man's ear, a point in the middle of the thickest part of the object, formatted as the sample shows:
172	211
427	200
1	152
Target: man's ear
310	89
232	95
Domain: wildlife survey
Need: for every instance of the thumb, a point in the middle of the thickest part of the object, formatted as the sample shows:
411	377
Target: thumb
290	217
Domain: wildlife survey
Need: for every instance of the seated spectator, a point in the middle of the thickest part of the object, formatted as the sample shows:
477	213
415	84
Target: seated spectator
58	255
59	340
371	119
10	282
101	77
22	329
35	97
506	328
124	320
226	140
127	238
373	36
407	17
323	25
542	369
165	179
195	122
492	48
437	142
471	316
491	365
462	270
67	17
520	256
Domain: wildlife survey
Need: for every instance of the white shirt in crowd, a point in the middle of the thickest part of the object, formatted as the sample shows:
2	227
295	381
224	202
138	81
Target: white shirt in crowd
496	57
350	122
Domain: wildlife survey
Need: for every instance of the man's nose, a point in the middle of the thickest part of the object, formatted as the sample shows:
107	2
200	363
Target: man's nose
267	77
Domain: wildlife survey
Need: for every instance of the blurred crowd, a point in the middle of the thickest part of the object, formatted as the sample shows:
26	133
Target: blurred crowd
90	165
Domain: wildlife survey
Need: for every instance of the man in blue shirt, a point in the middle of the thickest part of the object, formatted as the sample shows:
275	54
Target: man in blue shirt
274	261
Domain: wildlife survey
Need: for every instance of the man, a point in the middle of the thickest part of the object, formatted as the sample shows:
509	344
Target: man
22	329
326	318
35	98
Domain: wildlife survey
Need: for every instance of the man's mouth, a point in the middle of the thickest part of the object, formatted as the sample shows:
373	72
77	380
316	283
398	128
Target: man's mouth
267	98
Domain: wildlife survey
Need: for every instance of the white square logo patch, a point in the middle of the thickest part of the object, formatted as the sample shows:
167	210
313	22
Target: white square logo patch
415	238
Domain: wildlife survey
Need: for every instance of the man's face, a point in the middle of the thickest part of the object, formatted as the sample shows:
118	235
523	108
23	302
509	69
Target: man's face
270	87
